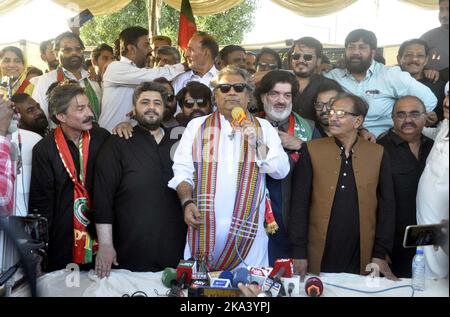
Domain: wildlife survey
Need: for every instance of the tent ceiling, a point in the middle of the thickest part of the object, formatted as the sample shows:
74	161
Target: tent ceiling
308	8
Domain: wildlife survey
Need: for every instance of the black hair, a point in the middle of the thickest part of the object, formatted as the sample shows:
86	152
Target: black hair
44	44
19	98
327	85
267	50
96	52
163	80
15	50
311	43
209	42
129	36
366	36
271	79
66	35
60	97
150	86
360	106
196	90
227	50
405	44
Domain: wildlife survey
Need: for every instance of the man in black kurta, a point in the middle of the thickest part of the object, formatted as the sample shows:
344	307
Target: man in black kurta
51	189
132	196
408	151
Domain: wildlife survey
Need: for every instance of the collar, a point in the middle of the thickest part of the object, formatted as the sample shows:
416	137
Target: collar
397	140
341	146
68	74
212	71
127	60
146	131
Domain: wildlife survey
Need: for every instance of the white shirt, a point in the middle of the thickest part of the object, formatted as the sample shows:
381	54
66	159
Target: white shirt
433	200
181	81
45	81
29	140
276	165
119	81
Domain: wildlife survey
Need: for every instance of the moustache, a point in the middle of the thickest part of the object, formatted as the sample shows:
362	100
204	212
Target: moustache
149	112
414	63
334	124
88	120
408	125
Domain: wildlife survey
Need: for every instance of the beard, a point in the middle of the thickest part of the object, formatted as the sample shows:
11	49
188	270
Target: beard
304	74
149	123
277	116
40	124
74	62
196	114
53	64
358	68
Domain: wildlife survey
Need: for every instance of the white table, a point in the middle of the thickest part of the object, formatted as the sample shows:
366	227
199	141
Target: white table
121	282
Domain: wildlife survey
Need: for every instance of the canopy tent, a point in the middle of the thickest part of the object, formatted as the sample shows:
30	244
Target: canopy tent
307	8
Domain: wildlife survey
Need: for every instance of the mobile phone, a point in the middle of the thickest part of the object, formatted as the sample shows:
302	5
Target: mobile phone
80	19
422	235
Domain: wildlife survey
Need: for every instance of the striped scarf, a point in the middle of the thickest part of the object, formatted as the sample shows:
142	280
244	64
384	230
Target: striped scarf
249	195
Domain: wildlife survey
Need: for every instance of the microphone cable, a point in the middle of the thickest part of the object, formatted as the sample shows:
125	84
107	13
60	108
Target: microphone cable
371	292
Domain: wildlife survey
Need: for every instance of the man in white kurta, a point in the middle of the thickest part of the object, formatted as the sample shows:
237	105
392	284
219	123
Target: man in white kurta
275	163
432	194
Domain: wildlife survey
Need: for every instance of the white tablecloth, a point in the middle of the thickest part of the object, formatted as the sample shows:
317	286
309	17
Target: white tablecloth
121	282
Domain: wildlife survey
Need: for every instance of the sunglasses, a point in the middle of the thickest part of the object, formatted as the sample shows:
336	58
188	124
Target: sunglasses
225	88
306	57
319	105
189	103
267	65
170	97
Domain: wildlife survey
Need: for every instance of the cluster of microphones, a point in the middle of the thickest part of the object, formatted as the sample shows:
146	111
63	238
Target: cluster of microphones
278	281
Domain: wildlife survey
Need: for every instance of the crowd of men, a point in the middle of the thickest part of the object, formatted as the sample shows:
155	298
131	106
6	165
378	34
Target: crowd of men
140	161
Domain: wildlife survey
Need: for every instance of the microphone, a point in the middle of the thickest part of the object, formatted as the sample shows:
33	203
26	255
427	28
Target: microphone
225	280
314	287
169	277
274	285
241	275
186	268
286	264
238	115
177	288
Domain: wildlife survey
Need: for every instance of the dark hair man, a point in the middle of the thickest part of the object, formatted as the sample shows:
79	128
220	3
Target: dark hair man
101	57
62	178
377	84
167	55
305	61
140	228
121	77
325	94
48	55
232	55
413	56
69	48
195	100
32	118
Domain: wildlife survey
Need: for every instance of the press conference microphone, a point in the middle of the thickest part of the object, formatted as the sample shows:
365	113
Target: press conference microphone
238	115
241	275
169	277
314	287
177	288
226	275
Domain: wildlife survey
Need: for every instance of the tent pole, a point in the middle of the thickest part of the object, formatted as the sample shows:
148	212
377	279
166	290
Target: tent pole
154	7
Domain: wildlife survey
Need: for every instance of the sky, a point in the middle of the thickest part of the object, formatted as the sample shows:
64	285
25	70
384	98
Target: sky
392	21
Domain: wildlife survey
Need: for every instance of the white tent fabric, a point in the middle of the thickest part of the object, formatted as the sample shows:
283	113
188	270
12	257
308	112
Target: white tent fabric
308	8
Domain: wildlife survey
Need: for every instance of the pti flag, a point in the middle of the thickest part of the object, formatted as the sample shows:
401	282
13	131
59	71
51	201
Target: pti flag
187	25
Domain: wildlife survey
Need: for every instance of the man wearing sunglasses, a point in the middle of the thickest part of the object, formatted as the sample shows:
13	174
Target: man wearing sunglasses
305	61
194	101
69	49
408	150
377	84
220	170
342	208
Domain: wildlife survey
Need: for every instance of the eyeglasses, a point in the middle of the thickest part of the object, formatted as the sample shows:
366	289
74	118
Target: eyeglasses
402	115
341	113
170	97
306	57
225	88
68	50
412	56
189	103
319	105
267	66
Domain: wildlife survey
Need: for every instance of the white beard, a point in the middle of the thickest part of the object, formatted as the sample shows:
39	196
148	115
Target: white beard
276	115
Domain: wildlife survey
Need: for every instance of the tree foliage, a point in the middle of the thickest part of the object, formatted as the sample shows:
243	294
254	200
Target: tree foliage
228	27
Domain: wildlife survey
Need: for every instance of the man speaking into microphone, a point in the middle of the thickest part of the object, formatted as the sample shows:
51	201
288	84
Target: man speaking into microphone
219	174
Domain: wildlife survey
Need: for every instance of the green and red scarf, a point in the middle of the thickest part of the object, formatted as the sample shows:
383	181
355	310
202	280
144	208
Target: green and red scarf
90	93
84	247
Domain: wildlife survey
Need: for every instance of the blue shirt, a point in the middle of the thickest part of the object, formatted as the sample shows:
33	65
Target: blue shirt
381	87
